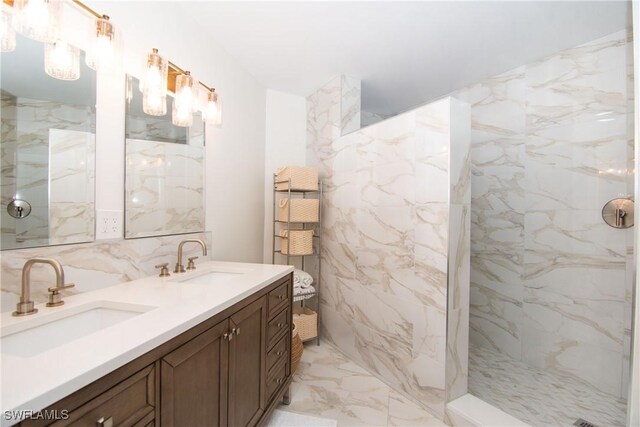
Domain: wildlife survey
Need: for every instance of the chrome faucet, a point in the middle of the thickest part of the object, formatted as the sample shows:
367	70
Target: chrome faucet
25	306
179	268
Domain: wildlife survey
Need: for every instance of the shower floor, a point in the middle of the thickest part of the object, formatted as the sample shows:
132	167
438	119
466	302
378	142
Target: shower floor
538	397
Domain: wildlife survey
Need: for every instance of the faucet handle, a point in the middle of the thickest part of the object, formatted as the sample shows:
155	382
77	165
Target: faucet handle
55	298
59	288
191	265
164	269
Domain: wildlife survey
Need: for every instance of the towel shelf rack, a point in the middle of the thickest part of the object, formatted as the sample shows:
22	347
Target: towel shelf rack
299	260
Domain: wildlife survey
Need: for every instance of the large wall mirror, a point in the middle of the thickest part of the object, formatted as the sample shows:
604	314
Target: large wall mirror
164	171
47	150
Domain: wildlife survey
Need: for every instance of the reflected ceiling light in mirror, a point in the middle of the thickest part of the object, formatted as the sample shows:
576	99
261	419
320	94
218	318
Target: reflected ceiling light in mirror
37	19
184	103
154	85
101	51
7	32
62	61
211	113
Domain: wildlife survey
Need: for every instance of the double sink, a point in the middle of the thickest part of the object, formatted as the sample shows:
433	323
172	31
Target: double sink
54	327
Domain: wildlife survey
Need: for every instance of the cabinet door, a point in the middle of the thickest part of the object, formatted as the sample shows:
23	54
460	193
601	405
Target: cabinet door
194	381
247	364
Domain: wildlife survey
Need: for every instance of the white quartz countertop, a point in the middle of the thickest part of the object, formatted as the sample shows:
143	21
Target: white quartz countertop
34	381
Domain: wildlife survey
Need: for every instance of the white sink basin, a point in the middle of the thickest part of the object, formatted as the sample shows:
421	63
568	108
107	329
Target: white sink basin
214	277
34	336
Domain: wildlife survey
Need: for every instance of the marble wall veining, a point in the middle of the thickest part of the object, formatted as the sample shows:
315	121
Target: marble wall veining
164	188
551	143
91	266
396	204
71	186
27	129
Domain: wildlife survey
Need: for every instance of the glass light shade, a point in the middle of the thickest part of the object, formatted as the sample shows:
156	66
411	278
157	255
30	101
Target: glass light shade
38	19
154	85
180	116
7	32
210	113
102	44
185	101
62	61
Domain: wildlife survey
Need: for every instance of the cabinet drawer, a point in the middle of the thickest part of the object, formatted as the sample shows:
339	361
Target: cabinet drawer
277	379
131	402
278	326
279	352
278	298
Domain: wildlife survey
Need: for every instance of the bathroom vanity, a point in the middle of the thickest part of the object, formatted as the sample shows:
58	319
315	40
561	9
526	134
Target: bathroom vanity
210	347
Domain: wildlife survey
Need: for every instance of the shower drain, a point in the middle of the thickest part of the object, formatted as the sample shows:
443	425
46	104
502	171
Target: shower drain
583	423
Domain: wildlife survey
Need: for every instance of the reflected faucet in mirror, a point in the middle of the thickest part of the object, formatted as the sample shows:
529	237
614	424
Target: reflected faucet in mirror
179	268
25	306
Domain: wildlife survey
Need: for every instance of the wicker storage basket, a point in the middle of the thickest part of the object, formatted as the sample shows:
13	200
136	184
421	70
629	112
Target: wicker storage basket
302	210
296	349
296	242
306	321
302	178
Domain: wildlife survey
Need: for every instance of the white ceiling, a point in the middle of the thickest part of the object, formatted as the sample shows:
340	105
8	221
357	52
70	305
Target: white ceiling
405	53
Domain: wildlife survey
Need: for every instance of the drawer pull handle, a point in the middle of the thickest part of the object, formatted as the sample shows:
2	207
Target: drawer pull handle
280	353
281	325
105	422
237	330
279	380
280	297
228	336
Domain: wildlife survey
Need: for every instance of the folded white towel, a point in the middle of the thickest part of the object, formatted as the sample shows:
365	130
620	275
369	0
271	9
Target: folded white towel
301	279
300	294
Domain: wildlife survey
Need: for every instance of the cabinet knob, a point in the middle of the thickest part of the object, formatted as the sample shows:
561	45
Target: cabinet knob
105	422
281	325
228	336
280	297
280	353
237	331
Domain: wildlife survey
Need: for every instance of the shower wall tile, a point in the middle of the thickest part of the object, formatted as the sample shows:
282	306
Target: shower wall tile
551	142
387	237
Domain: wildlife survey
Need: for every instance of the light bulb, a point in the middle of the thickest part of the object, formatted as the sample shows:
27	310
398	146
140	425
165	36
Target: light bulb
7	32
37	19
101	51
62	61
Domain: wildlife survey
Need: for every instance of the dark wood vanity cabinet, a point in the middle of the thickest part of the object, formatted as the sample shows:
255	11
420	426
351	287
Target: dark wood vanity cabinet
193	381
231	370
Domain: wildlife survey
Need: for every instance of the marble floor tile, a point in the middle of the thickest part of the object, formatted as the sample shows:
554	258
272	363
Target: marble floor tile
538	397
331	386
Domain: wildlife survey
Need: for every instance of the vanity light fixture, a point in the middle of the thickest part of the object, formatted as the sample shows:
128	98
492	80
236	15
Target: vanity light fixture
61	60
37	19
184	104
154	85
7	32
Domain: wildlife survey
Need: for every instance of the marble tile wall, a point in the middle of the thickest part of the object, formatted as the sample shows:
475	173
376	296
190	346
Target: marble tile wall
164	188
551	143
71	186
25	156
389	222
91	266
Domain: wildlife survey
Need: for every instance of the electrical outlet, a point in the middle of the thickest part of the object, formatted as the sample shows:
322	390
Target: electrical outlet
108	224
